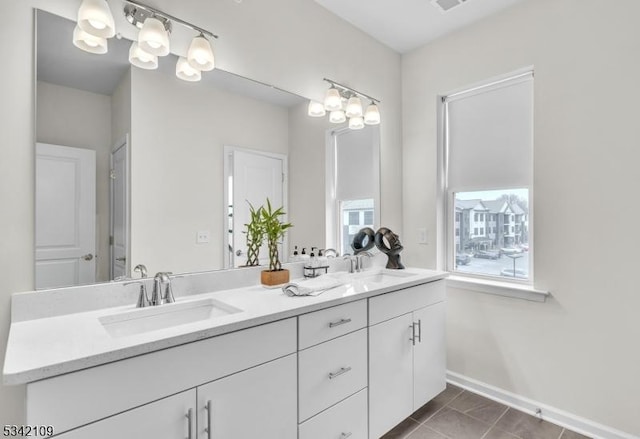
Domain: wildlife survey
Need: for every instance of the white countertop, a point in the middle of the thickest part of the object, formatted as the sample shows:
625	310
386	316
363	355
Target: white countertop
45	347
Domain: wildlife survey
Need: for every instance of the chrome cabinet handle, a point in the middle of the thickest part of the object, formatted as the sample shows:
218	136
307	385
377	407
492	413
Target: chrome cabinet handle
122	259
208	428
413	333
87	257
342	370
419	331
339	322
189	417
345	435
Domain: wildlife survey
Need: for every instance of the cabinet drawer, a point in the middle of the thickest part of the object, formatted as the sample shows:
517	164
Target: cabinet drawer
105	390
320	326
390	305
330	372
347	419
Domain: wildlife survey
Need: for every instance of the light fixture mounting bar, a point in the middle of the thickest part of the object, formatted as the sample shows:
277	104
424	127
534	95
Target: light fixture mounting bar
349	89
170	17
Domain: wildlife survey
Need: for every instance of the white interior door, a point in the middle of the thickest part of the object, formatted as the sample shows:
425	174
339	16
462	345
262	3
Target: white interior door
256	177
65	216
119	208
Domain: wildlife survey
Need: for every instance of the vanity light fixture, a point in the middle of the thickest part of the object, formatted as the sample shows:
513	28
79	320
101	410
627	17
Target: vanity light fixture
95	18
344	102
96	24
89	43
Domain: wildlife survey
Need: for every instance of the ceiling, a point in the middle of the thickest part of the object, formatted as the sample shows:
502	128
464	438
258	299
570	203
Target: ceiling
408	24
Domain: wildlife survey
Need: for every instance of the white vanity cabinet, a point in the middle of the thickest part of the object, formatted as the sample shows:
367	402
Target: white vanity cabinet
332	373
248	374
406	353
168	418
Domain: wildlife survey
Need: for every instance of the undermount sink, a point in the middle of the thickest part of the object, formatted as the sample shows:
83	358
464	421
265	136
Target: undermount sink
141	320
374	276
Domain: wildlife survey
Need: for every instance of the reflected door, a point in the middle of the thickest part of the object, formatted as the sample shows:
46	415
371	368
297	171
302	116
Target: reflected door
65	216
119	212
256	177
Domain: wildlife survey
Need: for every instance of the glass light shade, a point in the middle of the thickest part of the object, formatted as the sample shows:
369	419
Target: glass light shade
333	100
372	115
153	37
200	54
95	18
316	109
185	72
337	116
142	59
356	123
89	43
354	107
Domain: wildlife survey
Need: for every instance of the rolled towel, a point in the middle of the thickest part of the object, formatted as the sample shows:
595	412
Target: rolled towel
312	287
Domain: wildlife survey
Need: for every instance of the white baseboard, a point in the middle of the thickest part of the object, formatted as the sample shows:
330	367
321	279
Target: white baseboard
551	414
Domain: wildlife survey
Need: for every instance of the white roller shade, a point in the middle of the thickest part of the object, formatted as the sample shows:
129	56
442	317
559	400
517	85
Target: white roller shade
490	136
355	173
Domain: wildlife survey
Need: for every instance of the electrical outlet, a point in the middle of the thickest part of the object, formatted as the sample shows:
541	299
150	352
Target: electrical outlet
423	236
203	237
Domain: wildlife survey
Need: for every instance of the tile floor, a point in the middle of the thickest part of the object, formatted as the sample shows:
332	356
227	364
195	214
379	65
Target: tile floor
460	414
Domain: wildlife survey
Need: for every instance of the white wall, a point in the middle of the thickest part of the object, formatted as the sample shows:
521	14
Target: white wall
579	351
298	44
78	118
177	170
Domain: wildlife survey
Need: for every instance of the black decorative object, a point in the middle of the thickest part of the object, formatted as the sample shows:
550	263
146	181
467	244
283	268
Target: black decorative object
363	240
389	244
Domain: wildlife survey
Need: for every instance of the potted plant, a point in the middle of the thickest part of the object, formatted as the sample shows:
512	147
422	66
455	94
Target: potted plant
274	230
255	235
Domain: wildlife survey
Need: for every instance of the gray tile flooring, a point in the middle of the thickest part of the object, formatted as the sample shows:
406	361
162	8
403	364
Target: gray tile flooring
459	414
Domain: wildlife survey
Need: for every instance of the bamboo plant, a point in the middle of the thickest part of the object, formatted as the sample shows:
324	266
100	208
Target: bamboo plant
255	235
274	231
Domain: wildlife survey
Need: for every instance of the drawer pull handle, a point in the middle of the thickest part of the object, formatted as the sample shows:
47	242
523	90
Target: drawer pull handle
339	322
189	417
209	428
419	331
413	333
342	370
345	435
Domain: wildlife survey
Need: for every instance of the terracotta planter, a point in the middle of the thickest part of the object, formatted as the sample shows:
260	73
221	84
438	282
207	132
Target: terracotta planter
271	278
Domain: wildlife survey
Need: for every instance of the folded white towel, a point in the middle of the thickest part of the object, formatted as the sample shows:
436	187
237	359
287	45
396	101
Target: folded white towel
311	287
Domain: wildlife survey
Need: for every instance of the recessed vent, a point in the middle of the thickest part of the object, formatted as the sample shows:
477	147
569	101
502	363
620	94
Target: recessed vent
446	5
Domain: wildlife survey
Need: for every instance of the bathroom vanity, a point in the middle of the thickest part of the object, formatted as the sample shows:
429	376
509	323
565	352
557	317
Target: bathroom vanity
236	361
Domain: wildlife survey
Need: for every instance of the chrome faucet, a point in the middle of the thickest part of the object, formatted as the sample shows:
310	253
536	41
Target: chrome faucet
331	253
353	262
360	260
162	291
142	269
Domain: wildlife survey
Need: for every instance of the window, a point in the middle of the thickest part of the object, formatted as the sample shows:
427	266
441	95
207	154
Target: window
353	189
487	141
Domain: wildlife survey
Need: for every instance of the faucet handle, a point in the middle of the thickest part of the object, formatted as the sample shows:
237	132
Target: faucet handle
142	269
143	299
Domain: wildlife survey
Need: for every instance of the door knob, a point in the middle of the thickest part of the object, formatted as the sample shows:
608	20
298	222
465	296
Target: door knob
239	253
87	257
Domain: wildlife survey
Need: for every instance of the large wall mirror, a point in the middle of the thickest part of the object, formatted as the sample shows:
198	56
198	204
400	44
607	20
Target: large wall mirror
139	165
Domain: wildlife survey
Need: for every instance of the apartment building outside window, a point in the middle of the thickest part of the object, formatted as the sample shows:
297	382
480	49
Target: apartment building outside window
487	164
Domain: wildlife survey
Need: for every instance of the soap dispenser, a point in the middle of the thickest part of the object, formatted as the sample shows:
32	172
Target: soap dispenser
295	257
322	259
313	260
304	257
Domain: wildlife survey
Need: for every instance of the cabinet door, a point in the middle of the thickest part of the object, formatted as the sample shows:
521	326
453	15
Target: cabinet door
390	374
260	402
167	418
429	355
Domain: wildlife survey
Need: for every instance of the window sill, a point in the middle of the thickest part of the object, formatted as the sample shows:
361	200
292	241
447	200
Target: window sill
517	291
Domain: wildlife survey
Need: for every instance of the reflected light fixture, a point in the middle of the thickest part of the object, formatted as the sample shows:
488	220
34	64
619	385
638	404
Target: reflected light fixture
316	109
96	24
344	102
89	43
95	18
142	59
185	72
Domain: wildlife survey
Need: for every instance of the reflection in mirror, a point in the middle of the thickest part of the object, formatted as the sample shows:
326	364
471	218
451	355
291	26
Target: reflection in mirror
152	147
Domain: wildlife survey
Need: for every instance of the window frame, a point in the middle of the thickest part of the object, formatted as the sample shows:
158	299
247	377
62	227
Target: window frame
447	212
